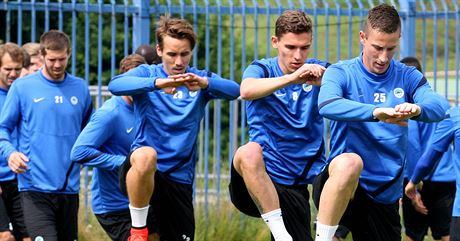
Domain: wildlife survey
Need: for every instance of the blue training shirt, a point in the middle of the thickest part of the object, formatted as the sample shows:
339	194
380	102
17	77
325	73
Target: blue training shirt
6	174
104	144
287	125
49	116
348	96
446	132
420	135
170	123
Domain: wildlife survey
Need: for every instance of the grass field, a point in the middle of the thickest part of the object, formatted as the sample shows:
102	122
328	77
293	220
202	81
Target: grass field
222	223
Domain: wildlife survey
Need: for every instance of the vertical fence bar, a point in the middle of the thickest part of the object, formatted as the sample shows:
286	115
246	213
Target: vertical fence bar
435	45
125	27
87	56
74	38
361	16
424	47
234	128
337	7
182	8
407	9
141	22
315	28
232	104
326	30
350	29
457	50
33	20
100	30
47	15
195	29
206	118
267	28
8	22
113	43
218	106
256	28
60	16
19	27
446	49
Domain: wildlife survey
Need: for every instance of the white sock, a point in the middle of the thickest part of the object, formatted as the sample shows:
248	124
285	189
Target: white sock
138	216
274	220
325	232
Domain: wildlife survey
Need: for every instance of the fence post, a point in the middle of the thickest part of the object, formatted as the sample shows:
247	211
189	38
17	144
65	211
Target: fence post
407	13
141	23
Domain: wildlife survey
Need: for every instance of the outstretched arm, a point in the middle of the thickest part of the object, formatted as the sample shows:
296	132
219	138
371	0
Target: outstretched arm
258	85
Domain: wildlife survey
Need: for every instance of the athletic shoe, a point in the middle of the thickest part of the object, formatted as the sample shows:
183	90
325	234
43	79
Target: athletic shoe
139	234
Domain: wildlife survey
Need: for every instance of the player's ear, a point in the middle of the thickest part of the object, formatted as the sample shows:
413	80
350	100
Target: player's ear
274	41
362	37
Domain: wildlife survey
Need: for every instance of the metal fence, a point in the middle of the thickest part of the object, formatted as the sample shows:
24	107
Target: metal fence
231	34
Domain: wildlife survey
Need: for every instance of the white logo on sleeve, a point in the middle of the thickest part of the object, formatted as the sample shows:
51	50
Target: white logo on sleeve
398	92
129	130
74	100
39	238
36	100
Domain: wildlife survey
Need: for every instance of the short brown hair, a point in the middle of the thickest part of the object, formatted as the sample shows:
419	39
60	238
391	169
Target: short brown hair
293	21
33	49
383	18
54	40
175	28
13	50
130	62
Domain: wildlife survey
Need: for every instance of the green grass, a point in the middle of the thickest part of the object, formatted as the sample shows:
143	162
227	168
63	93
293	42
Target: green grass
219	222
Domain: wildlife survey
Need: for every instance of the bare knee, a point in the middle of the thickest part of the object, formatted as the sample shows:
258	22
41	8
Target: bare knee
249	158
144	160
346	167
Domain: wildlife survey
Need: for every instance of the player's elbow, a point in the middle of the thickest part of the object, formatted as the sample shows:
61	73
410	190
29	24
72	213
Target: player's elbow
77	154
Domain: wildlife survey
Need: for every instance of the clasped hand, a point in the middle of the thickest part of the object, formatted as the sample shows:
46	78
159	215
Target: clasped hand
192	81
397	115
309	74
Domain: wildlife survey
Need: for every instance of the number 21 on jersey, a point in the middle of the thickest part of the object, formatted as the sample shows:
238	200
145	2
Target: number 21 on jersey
58	99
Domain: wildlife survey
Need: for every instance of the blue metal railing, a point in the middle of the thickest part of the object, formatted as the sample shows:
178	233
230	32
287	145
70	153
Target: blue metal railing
234	33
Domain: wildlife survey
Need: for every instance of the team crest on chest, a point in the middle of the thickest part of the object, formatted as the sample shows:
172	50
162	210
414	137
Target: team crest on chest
398	92
74	100
307	87
192	93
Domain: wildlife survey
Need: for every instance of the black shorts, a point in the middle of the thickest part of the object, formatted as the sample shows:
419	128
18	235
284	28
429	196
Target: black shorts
455	229
12	201
294	204
172	205
117	225
51	216
365	218
438	198
4	220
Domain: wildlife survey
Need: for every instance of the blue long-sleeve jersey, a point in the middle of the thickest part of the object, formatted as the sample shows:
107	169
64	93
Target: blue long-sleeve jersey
419	138
287	125
104	144
447	131
348	96
5	172
49	116
170	123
